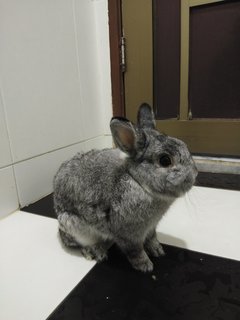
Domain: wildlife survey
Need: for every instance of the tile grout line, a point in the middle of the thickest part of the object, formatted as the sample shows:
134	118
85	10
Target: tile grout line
77	54
54	150
10	143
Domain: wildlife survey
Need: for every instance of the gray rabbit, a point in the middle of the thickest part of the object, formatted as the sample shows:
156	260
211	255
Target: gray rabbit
119	195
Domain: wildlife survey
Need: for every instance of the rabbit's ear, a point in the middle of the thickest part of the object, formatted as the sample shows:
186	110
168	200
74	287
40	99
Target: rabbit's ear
124	135
146	117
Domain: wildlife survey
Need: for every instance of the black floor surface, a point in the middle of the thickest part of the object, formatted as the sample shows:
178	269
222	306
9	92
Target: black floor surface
218	180
184	285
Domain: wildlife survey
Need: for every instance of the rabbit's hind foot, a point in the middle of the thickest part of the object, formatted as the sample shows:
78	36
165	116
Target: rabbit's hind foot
96	252
68	240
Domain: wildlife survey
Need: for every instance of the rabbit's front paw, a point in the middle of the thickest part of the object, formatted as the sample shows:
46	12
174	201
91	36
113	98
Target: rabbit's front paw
144	266
154	248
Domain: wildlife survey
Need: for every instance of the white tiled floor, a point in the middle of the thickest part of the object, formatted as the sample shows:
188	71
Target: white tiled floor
36	273
205	220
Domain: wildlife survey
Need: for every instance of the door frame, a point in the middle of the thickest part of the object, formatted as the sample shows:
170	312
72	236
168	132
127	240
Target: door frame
117	77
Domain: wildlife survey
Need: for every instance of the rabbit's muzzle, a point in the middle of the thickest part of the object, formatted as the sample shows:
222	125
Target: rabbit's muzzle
179	181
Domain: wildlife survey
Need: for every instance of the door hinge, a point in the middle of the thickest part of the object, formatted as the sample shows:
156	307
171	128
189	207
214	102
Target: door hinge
123	54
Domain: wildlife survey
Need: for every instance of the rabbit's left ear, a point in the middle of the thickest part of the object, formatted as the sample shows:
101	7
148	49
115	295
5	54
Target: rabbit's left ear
124	135
146	117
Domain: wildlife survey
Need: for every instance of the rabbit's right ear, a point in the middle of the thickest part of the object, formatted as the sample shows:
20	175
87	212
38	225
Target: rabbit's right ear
146	117
124	135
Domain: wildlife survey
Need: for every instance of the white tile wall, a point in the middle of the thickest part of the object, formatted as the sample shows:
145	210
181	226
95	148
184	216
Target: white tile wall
102	29
34	176
55	86
38	63
87	50
8	192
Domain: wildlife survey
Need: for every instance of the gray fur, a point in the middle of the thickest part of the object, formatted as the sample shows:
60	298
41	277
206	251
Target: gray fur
101	197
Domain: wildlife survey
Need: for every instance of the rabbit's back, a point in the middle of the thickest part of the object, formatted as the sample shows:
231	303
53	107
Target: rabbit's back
87	177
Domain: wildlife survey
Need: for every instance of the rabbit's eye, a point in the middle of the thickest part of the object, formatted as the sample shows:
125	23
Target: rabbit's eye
165	160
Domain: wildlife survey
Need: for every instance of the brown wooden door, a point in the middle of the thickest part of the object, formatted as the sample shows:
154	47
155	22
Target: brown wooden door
183	57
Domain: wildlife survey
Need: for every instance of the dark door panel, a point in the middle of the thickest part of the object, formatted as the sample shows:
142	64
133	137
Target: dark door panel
214	70
166	58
